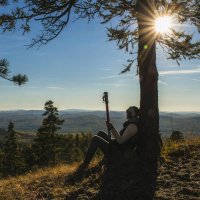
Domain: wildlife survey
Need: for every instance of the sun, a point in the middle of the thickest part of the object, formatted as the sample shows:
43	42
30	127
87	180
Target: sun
163	24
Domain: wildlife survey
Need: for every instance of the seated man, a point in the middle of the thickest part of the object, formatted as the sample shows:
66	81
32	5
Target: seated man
121	140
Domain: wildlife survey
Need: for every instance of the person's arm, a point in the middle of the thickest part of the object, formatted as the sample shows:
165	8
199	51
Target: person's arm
130	131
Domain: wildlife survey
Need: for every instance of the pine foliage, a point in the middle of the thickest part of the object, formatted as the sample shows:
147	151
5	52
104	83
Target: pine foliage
56	15
45	142
4	73
12	162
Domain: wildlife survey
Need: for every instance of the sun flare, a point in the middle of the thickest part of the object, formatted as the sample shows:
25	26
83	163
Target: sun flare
163	24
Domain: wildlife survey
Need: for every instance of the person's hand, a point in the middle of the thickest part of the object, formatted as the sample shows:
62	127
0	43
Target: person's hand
109	126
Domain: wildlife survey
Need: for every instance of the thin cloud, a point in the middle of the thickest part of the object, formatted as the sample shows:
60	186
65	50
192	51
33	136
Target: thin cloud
162	82
7	86
194	79
43	54
15	86
114	76
55	88
35	87
113	84
105	69
107	77
31	87
184	71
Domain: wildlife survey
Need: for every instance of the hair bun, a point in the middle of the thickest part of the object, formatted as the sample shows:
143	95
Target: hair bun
136	110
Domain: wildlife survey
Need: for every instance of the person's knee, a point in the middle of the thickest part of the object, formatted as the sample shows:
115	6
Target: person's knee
100	133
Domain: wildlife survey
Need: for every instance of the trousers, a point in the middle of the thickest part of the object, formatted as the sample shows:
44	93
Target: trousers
101	141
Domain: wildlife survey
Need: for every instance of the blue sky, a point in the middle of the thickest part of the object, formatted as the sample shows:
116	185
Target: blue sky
77	67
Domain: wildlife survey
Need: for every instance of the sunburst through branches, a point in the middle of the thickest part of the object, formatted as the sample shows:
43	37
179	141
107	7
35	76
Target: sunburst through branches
163	24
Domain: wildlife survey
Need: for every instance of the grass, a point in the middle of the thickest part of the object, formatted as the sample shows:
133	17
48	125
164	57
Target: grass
62	181
47	183
179	148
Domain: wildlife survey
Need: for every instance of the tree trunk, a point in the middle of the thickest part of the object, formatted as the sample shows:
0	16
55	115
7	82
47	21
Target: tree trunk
149	147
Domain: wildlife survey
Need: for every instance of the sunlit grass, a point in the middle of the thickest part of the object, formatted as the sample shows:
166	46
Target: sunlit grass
179	147
47	181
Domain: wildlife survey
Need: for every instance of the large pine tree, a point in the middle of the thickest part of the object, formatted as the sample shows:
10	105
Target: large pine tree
45	142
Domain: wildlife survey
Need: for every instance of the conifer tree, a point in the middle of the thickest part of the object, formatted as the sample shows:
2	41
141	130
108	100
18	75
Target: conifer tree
45	142
1	163
13	163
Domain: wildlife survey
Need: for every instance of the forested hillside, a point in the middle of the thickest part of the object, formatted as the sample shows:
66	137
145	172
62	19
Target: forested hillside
92	121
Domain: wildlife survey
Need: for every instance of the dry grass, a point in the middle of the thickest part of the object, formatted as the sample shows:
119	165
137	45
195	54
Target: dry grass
48	183
62	182
180	148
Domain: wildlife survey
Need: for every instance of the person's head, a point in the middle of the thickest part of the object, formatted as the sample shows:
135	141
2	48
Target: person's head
132	112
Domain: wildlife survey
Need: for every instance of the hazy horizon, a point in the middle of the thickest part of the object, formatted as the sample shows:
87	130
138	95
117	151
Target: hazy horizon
92	110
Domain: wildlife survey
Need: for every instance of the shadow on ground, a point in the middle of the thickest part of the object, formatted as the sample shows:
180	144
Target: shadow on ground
118	180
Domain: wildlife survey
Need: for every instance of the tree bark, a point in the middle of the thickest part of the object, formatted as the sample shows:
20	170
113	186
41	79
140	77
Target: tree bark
148	76
149	144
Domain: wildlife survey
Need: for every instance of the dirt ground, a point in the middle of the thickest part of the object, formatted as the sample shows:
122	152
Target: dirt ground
179	177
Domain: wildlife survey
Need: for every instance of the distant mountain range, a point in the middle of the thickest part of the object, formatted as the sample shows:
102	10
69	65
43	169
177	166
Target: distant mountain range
92	121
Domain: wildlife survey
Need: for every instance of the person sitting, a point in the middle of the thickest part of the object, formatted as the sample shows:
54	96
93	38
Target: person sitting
119	141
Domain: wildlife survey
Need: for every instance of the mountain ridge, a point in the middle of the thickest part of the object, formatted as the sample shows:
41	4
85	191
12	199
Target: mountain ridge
77	120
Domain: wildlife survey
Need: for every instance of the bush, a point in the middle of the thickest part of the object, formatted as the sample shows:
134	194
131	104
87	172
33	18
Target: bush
177	136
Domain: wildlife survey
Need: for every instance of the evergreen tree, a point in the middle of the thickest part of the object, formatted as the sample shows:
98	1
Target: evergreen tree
13	163
45	142
1	163
68	147
28	155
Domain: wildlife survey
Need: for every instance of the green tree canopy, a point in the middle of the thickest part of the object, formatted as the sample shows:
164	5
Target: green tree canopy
13	163
45	142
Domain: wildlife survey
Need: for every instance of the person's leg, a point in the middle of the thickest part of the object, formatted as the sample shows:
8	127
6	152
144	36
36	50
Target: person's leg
96	142
103	135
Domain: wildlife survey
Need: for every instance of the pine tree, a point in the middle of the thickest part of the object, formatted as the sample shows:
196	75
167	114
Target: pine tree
68	148
13	162
45	142
1	163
